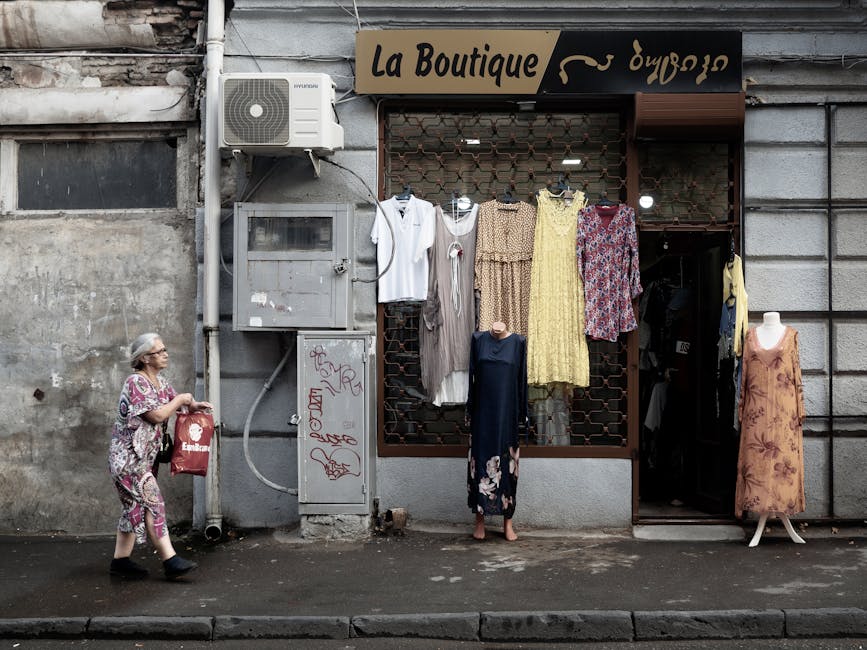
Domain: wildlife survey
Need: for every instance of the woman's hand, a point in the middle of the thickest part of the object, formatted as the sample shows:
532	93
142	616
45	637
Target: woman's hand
201	406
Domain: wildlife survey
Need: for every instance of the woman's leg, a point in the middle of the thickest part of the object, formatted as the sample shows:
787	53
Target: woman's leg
479	532
124	544
509	532
162	544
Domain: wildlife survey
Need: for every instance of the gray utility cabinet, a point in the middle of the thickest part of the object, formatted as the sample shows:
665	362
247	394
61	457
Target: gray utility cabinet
292	266
335	422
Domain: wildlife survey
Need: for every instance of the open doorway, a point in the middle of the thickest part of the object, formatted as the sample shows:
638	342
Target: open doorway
687	441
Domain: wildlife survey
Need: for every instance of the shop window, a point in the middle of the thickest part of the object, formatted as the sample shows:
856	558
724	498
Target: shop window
102	175
483	155
691	185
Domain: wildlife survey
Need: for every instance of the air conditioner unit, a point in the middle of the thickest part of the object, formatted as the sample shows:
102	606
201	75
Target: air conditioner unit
274	114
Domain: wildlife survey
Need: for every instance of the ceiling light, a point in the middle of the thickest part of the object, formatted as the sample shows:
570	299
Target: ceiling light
571	161
475	141
645	201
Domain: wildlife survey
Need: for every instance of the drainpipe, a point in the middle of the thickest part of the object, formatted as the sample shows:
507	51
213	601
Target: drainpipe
211	270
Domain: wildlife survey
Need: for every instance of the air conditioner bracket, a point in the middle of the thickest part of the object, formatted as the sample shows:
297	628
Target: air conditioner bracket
314	160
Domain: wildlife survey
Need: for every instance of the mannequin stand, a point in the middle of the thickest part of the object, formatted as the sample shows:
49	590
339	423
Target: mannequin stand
787	524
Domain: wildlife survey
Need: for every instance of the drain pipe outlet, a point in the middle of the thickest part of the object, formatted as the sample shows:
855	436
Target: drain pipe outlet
211	272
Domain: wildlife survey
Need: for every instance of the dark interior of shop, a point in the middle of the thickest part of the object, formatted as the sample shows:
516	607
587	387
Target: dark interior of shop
688	444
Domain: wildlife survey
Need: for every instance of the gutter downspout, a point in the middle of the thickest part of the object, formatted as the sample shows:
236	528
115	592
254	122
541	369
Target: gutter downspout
211	271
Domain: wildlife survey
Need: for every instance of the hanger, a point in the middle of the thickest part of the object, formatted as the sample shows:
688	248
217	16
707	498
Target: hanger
561	190
406	194
506	197
604	201
731	247
461	202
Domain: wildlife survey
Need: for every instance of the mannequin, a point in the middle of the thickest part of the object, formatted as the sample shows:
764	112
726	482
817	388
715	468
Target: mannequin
769	334
771	330
496	408
498	330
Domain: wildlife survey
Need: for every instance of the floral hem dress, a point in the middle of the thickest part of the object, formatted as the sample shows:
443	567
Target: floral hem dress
497	408
132	452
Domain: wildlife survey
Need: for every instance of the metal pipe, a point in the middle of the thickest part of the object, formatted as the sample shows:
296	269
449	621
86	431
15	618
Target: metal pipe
211	263
829	188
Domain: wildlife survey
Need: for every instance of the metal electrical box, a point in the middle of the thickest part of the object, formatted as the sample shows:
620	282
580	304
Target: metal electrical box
335	422
292	266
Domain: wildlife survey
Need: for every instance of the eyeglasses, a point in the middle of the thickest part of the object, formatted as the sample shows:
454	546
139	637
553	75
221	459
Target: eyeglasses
163	351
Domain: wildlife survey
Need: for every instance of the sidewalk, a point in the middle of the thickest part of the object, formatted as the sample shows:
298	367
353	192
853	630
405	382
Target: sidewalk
438	582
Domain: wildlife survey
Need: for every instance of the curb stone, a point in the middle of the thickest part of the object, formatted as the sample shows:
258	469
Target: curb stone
712	624
590	625
281	627
151	627
828	622
43	628
587	625
459	626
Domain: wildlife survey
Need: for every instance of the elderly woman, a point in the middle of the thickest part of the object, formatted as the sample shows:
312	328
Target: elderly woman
146	402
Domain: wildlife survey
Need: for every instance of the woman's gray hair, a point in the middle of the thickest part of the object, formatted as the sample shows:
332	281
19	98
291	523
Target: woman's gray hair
140	347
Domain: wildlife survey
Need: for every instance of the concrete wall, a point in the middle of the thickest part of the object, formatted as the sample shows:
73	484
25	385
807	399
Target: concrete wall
552	492
77	286
789	264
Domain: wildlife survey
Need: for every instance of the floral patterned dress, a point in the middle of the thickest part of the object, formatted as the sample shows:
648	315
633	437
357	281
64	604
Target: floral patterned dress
496	406
607	249
557	348
132	451
771	458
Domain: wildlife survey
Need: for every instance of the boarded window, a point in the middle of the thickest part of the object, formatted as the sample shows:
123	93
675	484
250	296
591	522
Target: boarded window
97	175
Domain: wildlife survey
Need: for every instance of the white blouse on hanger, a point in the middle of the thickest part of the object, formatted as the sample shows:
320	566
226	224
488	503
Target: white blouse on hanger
413	222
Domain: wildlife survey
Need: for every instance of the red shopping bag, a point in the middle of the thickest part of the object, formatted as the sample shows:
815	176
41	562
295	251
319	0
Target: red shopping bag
193	432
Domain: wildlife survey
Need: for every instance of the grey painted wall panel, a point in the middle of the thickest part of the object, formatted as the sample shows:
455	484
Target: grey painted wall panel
850	124
850	288
552	492
850	396
785	173
795	234
816	400
816	486
850	346
849	179
850	485
805	125
850	230
787	285
248	502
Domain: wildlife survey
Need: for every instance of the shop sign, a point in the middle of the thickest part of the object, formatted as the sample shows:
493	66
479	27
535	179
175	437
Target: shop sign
545	62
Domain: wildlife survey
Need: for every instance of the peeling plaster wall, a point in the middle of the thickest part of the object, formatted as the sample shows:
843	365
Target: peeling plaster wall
76	287
73	293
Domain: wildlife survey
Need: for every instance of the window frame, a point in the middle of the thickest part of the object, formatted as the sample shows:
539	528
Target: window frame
186	178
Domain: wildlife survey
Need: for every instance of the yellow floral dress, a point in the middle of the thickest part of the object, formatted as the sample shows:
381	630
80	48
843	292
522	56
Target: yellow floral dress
771	458
556	344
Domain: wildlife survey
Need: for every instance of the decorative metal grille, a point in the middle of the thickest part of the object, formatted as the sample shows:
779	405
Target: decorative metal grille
482	155
690	183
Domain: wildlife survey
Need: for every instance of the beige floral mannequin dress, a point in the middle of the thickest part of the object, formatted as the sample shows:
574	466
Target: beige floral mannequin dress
771	458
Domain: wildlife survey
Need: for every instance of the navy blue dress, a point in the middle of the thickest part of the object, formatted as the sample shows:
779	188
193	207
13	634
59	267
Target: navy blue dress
496	406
